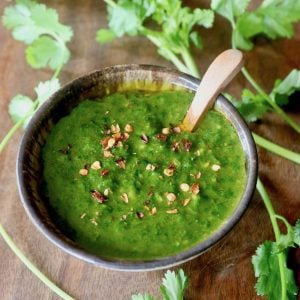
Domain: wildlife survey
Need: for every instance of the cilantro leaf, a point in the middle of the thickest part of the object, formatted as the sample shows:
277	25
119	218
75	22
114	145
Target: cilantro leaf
142	297
19	107
105	36
174	285
170	29
297	233
128	16
254	106
251	106
285	240
230	8
28	20
286	87
273	19
38	26
46	89
45	51
266	268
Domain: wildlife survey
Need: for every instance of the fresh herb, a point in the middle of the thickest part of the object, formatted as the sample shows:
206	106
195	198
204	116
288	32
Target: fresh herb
254	106
38	27
22	107
273	19
267	270
283	89
172	288
269	262
173	33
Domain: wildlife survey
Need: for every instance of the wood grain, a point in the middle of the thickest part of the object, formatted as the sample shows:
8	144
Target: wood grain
225	271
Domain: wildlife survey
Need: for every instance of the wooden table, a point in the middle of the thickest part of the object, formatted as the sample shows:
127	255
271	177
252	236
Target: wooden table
225	271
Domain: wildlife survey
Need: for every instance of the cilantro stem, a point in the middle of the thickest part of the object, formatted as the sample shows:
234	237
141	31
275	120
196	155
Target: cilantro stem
10	133
272	215
272	103
16	126
5	235
31	266
281	151
257	87
190	63
169	54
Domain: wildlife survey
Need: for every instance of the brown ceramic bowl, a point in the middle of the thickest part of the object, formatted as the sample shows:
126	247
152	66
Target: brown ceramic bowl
97	84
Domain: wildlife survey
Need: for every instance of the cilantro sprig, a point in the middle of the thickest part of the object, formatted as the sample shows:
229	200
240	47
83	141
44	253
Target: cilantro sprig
172	288
173	33
254	105
38	27
269	261
273	19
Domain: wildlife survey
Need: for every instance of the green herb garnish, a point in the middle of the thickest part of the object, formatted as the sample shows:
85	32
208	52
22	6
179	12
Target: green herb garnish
270	260
173	33
38	27
172	288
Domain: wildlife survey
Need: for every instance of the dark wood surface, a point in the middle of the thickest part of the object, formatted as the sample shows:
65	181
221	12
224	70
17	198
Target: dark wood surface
223	272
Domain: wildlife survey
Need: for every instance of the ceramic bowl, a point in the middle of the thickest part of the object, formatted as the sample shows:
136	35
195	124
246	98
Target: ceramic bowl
98	84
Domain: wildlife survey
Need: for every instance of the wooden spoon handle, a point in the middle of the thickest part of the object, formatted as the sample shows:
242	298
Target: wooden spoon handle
222	70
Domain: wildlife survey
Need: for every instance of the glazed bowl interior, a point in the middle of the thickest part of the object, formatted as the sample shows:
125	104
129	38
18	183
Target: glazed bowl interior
96	85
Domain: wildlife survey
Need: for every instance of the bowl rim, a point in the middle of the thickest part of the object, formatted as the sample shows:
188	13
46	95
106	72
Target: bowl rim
190	83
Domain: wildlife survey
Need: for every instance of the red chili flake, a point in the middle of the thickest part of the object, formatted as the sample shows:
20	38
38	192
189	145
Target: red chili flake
117	136
121	163
171	166
144	138
140	215
186	145
195	188
161	136
175	146
123	137
104	172
104	142
99	197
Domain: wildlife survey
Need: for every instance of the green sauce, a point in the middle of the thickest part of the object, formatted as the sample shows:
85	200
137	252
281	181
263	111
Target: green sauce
155	194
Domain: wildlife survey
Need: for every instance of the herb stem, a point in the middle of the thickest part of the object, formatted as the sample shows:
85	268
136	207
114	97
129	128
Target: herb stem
281	260
32	267
10	133
190	63
272	147
258	88
171	56
16	126
271	102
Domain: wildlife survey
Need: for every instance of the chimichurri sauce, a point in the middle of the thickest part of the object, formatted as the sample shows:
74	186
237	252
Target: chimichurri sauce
124	182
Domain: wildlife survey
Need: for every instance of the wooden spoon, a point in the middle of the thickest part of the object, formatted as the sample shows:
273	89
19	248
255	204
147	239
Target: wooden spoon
222	70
